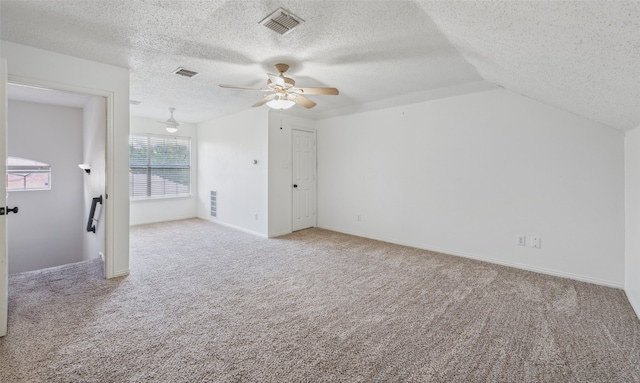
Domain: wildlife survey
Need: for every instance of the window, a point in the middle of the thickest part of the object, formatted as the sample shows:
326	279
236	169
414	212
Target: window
159	166
25	174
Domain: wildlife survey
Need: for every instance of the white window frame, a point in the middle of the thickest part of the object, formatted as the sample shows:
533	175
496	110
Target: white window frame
25	167
153	183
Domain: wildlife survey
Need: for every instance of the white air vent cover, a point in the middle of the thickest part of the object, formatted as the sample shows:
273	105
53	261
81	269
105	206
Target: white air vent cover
281	21
214	203
185	72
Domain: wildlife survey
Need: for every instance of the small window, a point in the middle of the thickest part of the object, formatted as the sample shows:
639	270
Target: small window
25	174
159	166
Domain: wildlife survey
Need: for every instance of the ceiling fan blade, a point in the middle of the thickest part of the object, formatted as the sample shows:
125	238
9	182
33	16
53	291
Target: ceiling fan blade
300	100
328	91
242	87
264	100
276	80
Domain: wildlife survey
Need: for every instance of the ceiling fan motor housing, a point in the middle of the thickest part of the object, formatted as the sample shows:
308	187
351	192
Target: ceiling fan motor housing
282	68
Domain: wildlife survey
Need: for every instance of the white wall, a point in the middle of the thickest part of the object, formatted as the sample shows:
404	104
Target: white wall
48	229
632	210
36	66
94	117
227	148
464	175
280	176
166	209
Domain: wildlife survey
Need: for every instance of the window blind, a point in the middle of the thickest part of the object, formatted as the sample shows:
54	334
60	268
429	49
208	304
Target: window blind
159	166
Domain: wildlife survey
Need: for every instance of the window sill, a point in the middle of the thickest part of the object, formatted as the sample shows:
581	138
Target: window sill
27	190
160	198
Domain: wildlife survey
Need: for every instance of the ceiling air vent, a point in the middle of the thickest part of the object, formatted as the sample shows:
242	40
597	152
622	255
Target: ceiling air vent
185	72
135	102
281	21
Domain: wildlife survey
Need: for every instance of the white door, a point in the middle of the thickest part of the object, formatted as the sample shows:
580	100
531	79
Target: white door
4	269
304	179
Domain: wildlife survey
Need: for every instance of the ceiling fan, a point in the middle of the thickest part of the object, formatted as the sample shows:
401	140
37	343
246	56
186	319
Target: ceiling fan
283	91
171	125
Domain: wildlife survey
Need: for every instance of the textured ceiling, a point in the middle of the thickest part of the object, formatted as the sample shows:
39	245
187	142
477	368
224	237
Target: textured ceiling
575	55
581	56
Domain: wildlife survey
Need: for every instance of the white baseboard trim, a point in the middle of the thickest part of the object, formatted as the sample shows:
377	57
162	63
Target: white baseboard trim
162	220
120	273
274	235
234	227
516	265
634	301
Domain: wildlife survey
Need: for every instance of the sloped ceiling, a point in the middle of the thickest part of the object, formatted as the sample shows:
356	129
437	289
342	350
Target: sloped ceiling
575	55
581	56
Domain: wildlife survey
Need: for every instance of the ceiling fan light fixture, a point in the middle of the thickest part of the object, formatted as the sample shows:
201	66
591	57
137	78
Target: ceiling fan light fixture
283	93
280	103
171	125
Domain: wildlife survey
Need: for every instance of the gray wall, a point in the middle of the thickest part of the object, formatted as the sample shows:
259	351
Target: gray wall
49	227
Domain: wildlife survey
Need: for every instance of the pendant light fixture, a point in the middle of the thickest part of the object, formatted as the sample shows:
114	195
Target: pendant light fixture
171	125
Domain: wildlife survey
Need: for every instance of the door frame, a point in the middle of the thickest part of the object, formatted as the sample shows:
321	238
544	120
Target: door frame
109	212
315	181
4	264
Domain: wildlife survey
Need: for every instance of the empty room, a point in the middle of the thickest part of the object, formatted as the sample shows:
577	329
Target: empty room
330	191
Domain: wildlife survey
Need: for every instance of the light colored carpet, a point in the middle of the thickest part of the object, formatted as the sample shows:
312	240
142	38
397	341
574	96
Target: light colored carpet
205	303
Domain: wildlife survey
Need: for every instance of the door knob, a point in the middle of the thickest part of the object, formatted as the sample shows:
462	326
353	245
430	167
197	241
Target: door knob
295	186
13	210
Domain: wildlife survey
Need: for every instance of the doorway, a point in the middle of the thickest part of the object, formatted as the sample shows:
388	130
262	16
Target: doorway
304	179
63	130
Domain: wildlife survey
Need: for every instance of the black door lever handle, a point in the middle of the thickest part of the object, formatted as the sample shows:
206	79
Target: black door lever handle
12	210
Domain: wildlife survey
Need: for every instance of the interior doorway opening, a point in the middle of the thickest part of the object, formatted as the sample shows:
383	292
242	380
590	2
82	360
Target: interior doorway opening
64	130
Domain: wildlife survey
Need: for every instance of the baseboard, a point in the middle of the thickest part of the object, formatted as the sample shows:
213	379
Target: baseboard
274	235
634	300
516	265
161	220
234	227
120	273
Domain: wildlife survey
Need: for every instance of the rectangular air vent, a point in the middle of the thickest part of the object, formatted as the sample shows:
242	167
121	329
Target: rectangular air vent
281	21
135	102
185	72
214	203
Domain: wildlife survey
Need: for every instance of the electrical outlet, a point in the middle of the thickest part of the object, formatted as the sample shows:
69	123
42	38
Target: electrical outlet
521	240
358	217
535	242
255	216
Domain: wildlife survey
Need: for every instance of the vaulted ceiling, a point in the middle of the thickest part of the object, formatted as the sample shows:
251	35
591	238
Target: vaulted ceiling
581	56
